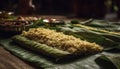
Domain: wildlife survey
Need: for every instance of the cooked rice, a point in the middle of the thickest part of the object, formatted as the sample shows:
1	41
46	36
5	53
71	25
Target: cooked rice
61	41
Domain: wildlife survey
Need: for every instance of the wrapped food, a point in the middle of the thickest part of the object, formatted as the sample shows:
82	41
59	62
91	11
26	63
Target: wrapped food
38	47
61	41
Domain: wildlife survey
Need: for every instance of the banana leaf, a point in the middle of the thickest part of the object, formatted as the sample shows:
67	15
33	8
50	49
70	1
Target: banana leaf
26	55
38	47
109	41
105	25
108	60
85	62
90	36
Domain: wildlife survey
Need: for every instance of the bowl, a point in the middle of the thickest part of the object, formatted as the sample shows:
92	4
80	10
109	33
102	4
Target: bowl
14	26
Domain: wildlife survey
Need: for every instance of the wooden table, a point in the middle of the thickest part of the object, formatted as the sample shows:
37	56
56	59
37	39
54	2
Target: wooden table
9	61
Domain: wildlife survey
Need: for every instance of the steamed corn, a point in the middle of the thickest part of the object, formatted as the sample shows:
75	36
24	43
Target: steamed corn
61	41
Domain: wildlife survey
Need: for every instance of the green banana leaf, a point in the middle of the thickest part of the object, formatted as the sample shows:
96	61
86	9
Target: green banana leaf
105	25
108	60
38	47
90	36
84	62
101	24
107	40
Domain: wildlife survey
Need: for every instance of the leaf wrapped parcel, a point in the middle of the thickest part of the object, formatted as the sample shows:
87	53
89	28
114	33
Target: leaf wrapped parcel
38	47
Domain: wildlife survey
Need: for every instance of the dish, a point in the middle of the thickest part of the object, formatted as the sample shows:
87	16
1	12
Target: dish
64	44
14	26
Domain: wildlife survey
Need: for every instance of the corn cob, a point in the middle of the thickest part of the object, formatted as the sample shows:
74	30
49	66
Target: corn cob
38	47
61	41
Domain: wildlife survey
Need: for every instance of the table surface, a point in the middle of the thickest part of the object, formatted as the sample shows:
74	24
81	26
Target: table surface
9	61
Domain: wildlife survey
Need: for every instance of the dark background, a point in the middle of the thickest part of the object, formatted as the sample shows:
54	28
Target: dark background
78	8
